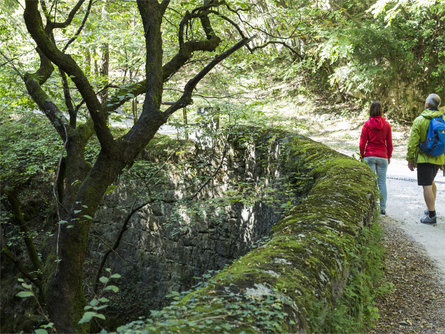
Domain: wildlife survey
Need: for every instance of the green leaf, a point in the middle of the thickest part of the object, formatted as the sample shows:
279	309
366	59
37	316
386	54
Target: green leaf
115	276
41	331
104	280
94	302
112	288
110	189
27	286
25	294
87	316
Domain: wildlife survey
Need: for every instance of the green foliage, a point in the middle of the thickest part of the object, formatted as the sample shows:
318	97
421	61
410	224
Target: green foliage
223	313
388	50
28	147
99	303
28	292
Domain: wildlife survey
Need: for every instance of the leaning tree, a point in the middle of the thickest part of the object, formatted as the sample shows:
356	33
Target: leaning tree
81	185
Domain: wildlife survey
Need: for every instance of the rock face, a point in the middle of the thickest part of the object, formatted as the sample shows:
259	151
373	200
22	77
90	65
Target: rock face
204	208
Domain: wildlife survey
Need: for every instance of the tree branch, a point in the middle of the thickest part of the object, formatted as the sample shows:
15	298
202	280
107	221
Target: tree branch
165	4
32	253
72	39
116	244
184	54
45	104
225	18
10	255
46	68
277	42
214	173
68	100
344	10
70	16
9	61
191	84
171	67
46	44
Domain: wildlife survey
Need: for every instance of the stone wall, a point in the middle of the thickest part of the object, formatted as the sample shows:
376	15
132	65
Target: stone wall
306	261
171	241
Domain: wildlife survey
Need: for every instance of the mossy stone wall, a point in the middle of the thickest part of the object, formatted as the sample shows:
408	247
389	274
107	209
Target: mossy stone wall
306	262
171	242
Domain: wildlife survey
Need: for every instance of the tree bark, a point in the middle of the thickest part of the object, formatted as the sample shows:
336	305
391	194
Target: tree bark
65	296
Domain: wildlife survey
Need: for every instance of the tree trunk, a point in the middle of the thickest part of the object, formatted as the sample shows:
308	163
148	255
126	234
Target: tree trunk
84	188
65	298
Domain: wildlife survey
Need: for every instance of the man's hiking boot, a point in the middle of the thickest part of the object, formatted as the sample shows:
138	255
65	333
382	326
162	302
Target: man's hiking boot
428	220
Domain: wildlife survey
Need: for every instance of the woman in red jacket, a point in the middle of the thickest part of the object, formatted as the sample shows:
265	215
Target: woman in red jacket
376	148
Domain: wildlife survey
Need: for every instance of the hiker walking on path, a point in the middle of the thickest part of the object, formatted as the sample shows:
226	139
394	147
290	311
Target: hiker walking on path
376	148
427	165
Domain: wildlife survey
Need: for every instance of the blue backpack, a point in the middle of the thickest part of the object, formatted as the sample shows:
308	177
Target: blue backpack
435	140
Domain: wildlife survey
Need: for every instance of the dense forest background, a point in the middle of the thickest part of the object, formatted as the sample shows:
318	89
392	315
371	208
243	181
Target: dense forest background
85	85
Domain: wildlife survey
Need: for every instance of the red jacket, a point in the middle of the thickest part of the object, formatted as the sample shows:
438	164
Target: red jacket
376	138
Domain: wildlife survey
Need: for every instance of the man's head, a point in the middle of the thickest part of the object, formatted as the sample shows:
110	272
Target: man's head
432	101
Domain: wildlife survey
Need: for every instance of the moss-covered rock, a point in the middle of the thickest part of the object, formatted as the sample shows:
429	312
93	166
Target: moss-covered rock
306	262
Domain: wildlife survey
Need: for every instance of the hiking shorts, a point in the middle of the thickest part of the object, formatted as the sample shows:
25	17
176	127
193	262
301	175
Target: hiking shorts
426	173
